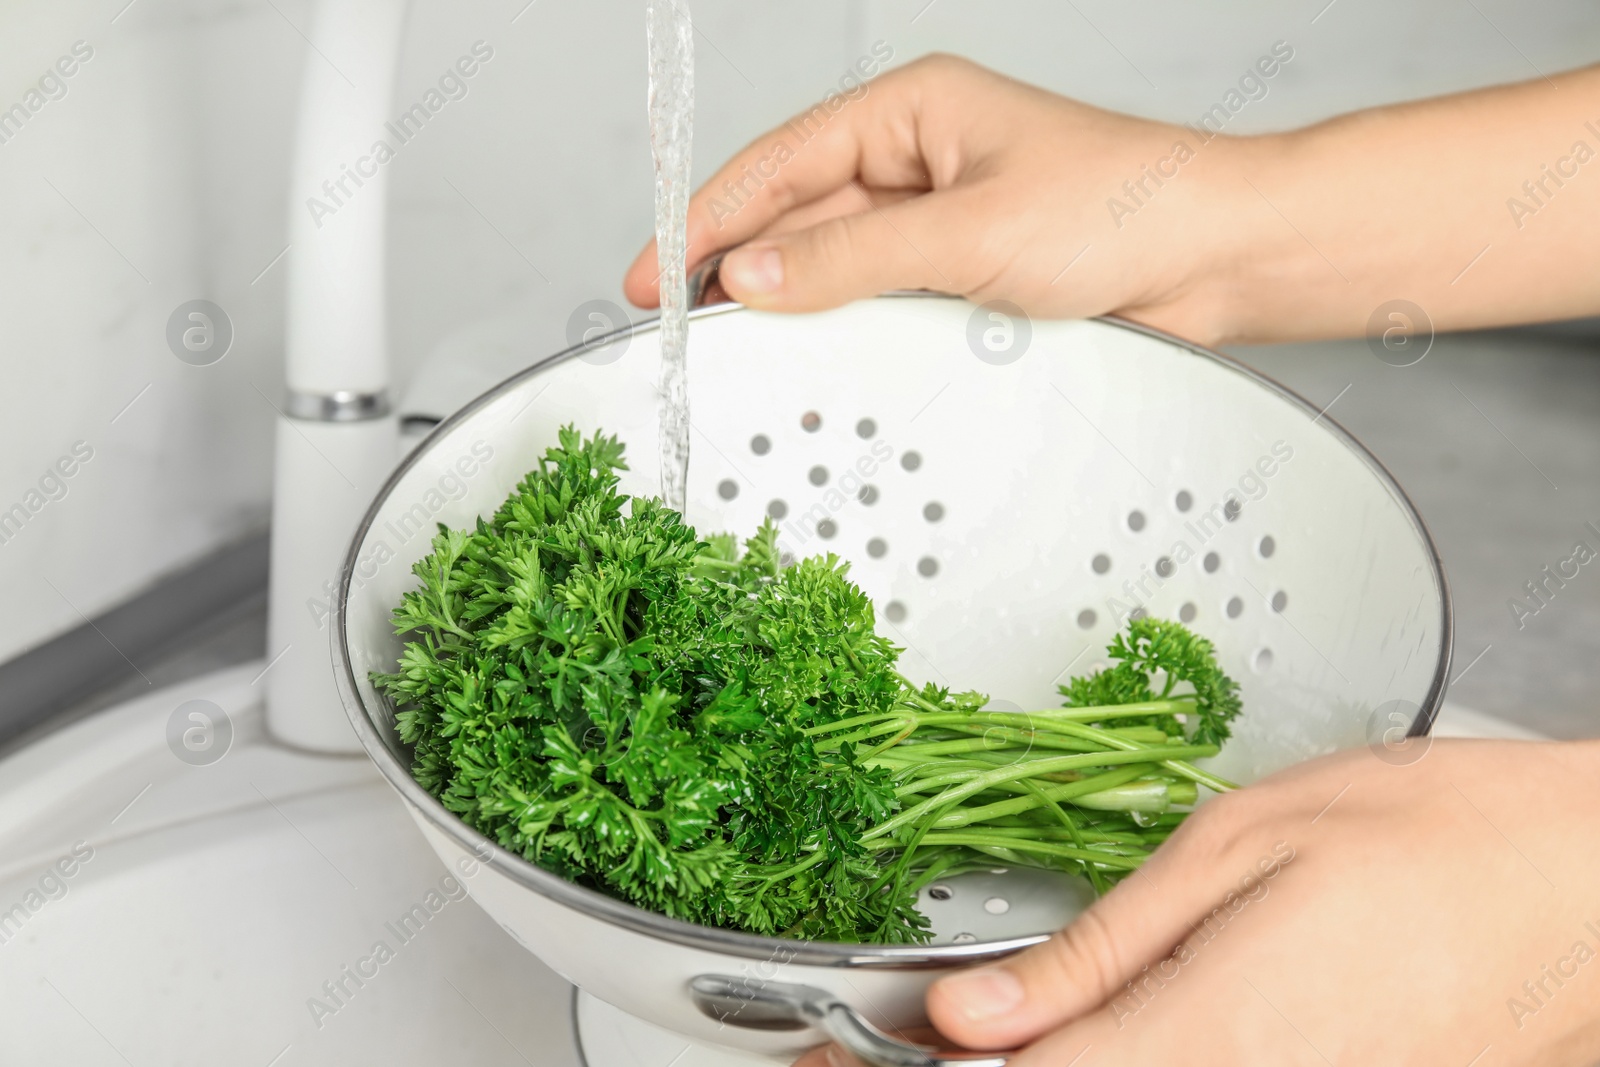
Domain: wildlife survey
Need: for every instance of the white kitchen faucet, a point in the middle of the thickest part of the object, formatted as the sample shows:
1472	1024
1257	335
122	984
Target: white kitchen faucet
337	434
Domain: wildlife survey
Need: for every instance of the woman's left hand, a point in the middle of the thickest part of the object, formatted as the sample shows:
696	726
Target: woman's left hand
1348	910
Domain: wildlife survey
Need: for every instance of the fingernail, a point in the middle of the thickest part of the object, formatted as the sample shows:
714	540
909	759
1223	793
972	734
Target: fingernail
984	994
837	1057
754	270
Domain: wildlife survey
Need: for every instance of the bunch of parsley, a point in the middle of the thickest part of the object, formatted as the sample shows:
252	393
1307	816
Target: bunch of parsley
702	731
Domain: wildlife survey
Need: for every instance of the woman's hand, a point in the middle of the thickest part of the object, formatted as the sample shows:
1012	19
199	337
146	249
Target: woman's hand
1345	911
943	175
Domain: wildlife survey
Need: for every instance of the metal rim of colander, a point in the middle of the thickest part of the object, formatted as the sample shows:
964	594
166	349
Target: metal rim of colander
731	942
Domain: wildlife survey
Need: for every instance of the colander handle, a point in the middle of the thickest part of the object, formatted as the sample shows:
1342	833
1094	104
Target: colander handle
705	285
756	1004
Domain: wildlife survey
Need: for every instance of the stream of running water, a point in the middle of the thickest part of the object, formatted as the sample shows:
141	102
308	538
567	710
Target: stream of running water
671	43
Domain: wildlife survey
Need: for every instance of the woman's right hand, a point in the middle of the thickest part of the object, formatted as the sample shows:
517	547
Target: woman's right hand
943	175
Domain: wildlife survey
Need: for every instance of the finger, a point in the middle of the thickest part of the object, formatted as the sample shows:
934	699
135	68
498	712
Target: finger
827	1056
846	200
1134	1033
850	257
816	153
1137	924
1070	1044
843	201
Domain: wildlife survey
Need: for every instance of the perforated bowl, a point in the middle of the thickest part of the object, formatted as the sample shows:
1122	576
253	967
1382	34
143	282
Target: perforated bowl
1008	493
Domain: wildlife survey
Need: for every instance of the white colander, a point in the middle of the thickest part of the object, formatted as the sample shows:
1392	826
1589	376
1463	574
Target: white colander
1007	492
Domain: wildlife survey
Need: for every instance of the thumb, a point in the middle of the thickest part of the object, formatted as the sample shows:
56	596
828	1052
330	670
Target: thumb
1008	1004
845	258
